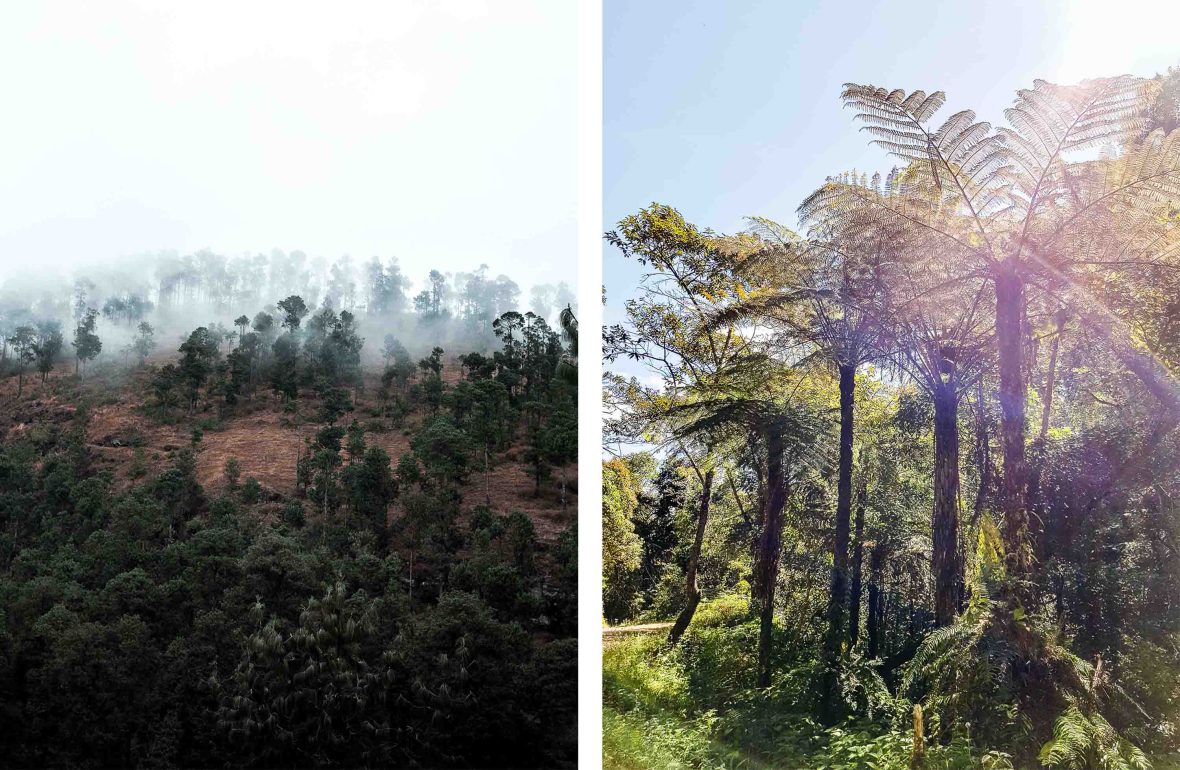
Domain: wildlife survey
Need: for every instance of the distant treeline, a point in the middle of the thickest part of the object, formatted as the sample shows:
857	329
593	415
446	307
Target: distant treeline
126	305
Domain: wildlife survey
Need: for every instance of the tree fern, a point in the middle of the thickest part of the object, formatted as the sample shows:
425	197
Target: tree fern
1021	192
1088	742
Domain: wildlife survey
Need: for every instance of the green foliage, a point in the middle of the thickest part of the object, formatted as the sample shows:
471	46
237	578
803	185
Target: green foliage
144	342
293	514
146	624
293	309
334	404
693	706
369	488
86	343
443	452
233	472
251	491
1082	741
198	355
274	702
285	370
621	548
48	346
963	672
332	350
138	466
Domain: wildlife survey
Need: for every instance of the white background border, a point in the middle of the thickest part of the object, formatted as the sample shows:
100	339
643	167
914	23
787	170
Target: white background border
590	228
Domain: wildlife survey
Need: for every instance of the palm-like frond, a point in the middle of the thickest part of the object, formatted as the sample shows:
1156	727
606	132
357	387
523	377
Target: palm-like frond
962	156
906	210
1049	121
1017	192
1123	210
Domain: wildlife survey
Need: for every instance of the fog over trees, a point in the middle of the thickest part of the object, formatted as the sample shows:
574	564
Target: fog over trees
173	293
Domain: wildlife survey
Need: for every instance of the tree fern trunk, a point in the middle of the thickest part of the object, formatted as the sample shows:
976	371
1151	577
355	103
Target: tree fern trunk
1013	391
838	597
839	577
945	522
692	590
770	544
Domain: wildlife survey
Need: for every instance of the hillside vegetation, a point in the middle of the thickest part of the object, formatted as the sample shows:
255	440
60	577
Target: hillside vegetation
283	544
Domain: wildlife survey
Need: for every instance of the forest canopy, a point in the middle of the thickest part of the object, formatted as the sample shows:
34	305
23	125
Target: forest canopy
897	488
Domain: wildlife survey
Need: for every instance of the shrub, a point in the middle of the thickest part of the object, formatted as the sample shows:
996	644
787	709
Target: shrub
137	468
251	491
233	471
293	514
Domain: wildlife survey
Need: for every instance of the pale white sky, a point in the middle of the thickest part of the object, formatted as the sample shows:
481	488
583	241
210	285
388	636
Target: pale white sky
442	133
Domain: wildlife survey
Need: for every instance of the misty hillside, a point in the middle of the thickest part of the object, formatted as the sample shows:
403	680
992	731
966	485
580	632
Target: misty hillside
286	517
178	293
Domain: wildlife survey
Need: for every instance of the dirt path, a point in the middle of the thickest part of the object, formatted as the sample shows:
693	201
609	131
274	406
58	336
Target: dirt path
614	634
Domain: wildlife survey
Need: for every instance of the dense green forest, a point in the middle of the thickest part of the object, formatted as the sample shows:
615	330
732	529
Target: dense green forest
899	489
275	542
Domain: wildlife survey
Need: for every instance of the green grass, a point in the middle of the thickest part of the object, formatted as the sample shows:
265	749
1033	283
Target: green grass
634	740
696	706
658	710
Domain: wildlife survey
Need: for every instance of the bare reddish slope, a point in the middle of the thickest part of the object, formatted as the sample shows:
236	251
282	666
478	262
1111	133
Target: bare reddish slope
265	441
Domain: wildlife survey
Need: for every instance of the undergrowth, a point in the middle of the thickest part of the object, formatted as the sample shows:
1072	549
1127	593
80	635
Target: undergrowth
696	706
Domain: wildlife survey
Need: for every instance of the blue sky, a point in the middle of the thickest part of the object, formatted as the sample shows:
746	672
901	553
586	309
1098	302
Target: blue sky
729	109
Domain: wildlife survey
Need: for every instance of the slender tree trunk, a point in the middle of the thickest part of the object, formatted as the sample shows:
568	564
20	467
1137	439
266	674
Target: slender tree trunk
1042	538
876	606
1051	376
487	476
838	597
945	522
20	382
1013	391
691	589
858	554
983	456
770	543
738	500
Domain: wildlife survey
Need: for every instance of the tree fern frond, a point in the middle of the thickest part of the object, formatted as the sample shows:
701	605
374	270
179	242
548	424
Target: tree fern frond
961	155
1083	741
1127	204
1070	743
1049	121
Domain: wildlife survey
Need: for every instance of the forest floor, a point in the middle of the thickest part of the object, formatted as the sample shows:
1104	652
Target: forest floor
695	706
265	440
615	634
